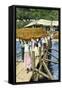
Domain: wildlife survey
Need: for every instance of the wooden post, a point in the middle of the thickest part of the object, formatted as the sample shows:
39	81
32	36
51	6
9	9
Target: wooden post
47	70
49	45
35	74
41	73
40	63
39	51
40	58
33	65
33	60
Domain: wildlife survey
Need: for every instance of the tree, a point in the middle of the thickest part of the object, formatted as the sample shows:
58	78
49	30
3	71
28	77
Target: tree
25	15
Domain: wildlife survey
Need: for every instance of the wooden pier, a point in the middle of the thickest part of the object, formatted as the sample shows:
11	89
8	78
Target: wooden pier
23	76
40	63
21	72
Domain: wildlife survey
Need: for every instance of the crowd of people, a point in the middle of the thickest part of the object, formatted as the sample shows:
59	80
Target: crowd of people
33	45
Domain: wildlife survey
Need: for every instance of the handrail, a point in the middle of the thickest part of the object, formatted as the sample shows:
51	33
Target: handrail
50	61
52	55
41	73
54	49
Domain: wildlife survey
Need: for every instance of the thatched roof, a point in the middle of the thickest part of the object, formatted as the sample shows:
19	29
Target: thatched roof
28	33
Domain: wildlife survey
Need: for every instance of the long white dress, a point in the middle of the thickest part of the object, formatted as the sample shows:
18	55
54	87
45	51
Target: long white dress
36	50
27	57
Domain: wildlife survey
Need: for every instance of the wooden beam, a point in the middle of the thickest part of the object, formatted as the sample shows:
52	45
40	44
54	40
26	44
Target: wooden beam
54	49
51	61
47	70
52	55
33	60
42	73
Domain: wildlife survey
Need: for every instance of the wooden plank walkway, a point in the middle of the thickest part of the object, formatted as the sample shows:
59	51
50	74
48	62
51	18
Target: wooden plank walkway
21	72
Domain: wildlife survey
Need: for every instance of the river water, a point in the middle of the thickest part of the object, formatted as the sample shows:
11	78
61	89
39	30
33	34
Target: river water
55	67
18	51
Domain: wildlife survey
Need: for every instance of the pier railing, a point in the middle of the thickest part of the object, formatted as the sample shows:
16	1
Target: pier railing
43	63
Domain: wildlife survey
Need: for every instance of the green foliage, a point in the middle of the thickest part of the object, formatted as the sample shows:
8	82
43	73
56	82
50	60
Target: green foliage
24	15
21	23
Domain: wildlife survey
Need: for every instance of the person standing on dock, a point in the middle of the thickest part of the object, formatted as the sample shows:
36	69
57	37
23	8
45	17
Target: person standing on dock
46	42
39	42
36	50
49	41
32	44
27	57
22	49
43	43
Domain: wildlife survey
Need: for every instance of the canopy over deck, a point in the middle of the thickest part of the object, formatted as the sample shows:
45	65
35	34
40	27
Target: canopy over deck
29	33
43	22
